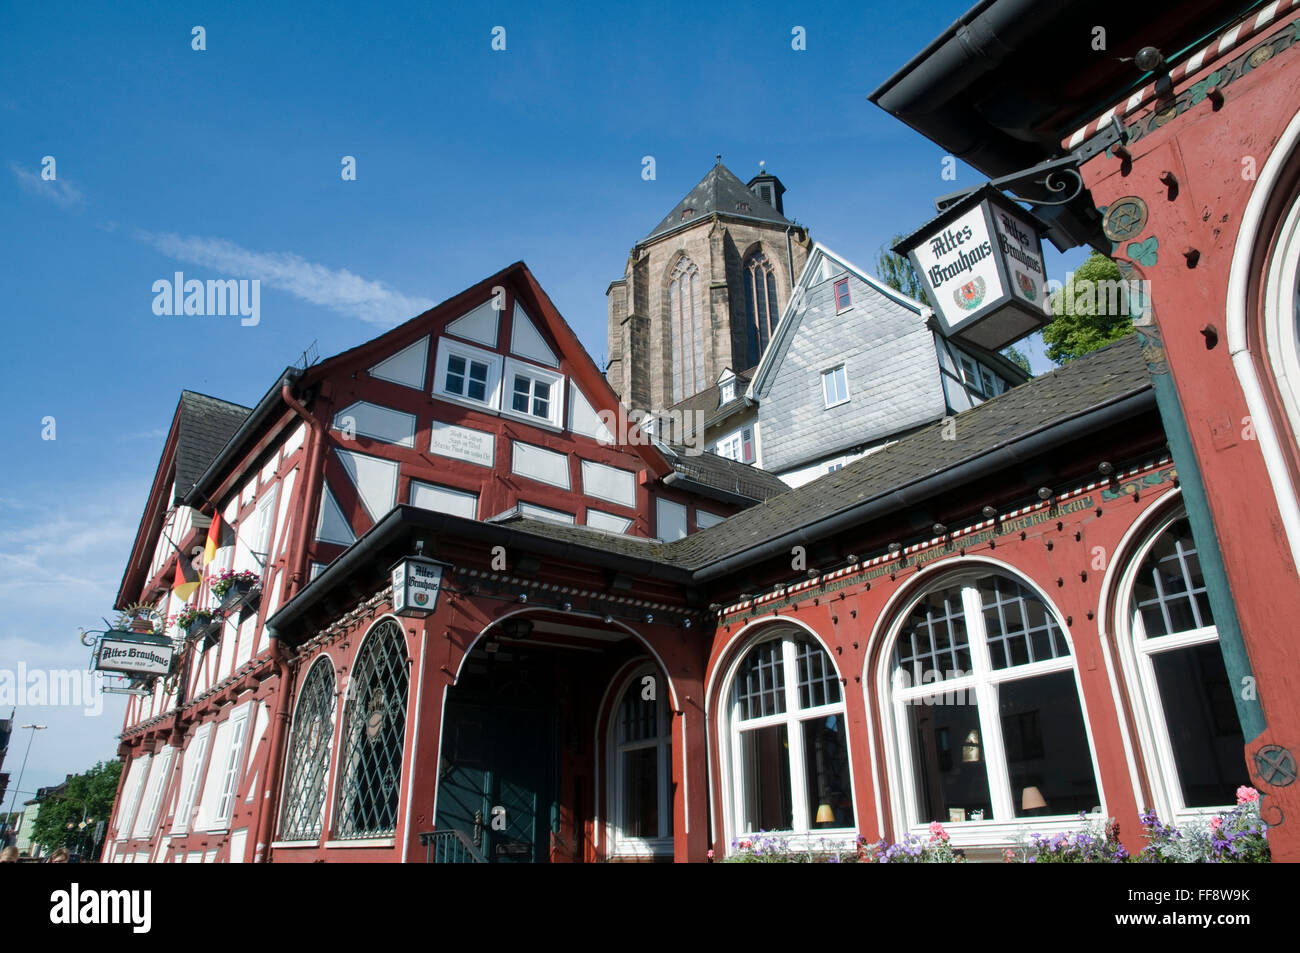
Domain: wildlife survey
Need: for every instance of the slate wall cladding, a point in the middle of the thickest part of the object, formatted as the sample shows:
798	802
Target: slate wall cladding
893	376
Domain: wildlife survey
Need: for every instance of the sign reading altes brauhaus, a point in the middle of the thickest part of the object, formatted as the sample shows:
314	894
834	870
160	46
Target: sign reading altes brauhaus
133	658
982	266
416	583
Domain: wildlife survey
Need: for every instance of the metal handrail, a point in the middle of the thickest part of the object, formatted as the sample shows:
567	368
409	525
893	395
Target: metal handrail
449	847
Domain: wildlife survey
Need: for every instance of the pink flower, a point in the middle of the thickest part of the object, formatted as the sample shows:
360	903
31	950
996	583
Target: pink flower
746	844
937	831
710	854
1009	855
1247	795
1215	824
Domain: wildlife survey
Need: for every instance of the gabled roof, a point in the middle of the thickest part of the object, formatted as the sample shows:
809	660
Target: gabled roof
201	427
721	192
206	426
792	316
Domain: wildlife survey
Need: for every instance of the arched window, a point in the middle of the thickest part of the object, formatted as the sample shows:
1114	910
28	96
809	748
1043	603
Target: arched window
1181	686
310	746
986	707
640	786
787	739
374	728
686	325
762	312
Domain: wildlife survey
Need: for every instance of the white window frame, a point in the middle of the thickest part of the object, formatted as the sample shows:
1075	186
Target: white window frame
1004	827
732	446
828	376
556	380
802	836
727	391
193	761
620	844
448	349
132	791
1136	652
155	788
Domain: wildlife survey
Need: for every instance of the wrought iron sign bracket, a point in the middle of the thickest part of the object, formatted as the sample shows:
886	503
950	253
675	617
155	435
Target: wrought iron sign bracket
1059	176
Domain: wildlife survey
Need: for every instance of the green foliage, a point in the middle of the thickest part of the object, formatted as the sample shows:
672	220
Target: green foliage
1091	311
90	795
897	272
1012	354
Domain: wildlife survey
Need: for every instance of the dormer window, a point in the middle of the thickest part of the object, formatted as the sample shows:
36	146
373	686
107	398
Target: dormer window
727	392
687	213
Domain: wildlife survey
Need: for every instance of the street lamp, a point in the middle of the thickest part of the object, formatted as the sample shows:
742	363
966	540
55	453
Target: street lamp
34	728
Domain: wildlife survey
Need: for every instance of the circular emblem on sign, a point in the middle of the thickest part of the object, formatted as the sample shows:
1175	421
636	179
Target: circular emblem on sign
1125	218
1261	55
1276	765
970	295
421	598
1026	285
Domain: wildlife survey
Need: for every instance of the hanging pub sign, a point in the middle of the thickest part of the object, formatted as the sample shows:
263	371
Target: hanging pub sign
416	581
134	653
981	262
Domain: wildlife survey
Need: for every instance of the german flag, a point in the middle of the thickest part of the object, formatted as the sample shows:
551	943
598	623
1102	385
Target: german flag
186	579
219	534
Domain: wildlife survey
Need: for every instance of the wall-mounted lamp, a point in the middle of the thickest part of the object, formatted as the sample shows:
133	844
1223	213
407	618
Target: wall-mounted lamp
970	747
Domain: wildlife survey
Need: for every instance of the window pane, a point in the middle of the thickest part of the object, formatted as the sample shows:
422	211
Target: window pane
1170	590
952	783
478	374
826	768
760	685
641	792
933	639
1202	722
541	399
818	683
637	718
455	375
1048	760
1020	629
521	395
765	760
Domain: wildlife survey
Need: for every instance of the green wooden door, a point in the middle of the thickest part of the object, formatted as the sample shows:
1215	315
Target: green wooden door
496	781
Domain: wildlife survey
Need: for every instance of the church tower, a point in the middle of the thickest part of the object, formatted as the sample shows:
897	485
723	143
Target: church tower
703	292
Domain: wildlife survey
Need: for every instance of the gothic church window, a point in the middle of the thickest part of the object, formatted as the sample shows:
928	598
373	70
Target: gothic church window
686	326
762	311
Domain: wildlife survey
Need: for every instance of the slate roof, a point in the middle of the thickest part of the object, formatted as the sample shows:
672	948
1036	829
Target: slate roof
726	474
719	191
1109	374
206	426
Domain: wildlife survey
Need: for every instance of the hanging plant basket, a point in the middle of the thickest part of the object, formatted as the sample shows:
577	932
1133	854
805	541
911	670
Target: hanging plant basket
233	588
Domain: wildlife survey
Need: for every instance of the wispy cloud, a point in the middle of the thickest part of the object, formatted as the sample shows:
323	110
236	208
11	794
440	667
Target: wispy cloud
58	191
340	290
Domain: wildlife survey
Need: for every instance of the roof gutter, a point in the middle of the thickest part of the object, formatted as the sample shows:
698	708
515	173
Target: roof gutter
1000	458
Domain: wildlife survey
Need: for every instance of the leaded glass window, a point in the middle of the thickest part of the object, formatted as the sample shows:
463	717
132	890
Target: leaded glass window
789	741
1185	691
373	735
310	747
987	707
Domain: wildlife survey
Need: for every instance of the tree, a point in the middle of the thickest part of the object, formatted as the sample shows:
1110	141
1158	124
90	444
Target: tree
88	795
1091	311
1018	358
897	272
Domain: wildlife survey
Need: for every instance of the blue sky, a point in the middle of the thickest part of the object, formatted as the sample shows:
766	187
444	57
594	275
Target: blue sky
226	163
